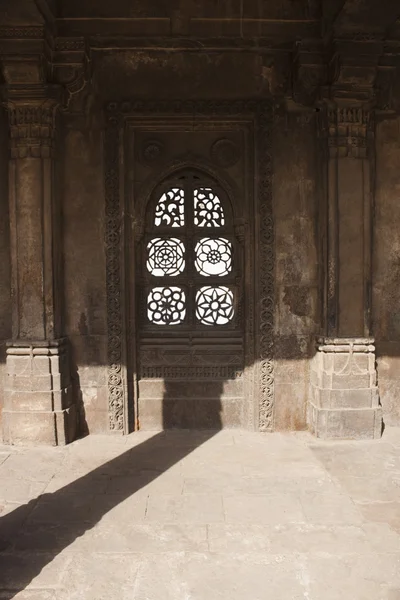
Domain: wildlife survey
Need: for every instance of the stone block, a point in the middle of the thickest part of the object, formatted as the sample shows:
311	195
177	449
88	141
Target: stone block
343	396
38	403
190	413
40	427
160	388
354	424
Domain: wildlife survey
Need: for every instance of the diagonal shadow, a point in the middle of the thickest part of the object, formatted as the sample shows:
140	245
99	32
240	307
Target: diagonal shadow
135	468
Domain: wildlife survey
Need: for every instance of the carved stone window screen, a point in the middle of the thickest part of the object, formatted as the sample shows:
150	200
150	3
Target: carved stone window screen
194	207
257	116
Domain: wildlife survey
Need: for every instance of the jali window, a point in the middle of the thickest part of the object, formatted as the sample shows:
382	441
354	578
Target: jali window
190	253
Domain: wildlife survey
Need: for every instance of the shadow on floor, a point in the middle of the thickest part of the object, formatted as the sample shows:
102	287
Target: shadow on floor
135	468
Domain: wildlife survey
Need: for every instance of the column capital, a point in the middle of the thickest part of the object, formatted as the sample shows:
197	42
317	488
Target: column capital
32	123
349	129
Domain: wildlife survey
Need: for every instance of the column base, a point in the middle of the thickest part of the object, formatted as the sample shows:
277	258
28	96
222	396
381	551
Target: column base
344	398
345	424
38	407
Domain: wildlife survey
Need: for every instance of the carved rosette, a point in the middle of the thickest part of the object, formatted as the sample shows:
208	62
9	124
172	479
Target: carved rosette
265	263
116	392
152	151
32	128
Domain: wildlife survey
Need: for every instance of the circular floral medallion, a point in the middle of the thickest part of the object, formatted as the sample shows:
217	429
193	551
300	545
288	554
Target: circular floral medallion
225	153
166	305
214	305
213	257
152	151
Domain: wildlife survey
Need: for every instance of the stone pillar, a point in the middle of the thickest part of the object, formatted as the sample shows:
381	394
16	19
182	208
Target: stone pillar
344	400
38	404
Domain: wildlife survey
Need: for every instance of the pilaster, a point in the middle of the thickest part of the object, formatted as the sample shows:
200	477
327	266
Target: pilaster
38	405
344	398
348	136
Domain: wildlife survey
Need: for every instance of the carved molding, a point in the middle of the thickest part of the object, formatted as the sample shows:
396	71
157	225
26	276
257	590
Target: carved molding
261	333
223	372
21	32
71	44
346	345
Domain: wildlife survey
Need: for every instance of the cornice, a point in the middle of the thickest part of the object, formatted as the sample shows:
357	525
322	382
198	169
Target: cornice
279	30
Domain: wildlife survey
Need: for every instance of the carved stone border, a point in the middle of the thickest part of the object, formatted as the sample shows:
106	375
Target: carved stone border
113	236
266	267
261	113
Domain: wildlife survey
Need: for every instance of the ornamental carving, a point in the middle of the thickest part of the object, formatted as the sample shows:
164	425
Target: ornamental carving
266	267
258	376
152	151
115	382
350	130
32	128
22	32
70	44
222	372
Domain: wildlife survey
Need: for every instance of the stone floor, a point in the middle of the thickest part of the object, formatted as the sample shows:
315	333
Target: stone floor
197	516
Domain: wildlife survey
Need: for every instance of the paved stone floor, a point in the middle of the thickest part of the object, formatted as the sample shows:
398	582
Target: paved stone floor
197	516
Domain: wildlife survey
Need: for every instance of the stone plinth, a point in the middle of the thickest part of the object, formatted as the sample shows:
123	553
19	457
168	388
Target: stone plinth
344	399
38	406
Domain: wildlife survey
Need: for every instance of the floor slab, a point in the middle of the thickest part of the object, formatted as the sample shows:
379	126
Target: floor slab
196	515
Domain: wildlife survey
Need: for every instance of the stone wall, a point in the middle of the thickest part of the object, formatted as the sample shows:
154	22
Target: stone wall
386	267
5	282
301	203
84	267
295	201
295	206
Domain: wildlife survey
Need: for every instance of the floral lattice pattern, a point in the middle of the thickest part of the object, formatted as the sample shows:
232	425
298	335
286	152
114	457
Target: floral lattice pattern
214	305
208	210
166	256
213	257
170	209
166	305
